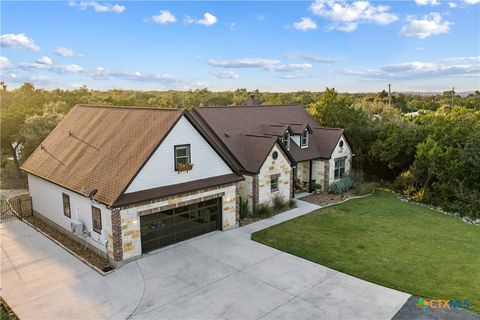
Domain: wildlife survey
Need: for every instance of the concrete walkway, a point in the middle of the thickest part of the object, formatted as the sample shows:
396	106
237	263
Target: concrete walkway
219	275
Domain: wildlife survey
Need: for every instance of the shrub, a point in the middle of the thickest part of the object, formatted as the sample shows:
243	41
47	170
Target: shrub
342	185
278	203
264	210
291	203
243	208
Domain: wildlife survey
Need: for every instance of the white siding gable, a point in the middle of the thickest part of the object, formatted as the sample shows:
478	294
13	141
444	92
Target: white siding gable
160	171
296	139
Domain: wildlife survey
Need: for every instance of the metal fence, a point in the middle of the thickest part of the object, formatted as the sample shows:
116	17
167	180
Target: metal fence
16	207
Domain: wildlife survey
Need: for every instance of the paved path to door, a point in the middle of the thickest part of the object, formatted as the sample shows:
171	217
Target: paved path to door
219	275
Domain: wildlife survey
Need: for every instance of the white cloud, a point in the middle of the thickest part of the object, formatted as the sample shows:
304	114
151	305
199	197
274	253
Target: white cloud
165	17
45	60
452	4
314	58
229	74
5	63
244	63
348	27
427	2
66	52
472	1
231	25
100	73
305	24
19	40
68	68
449	67
207	20
97	7
426	26
266	64
345	16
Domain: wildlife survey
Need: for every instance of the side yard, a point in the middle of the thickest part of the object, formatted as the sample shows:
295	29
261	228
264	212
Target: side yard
389	242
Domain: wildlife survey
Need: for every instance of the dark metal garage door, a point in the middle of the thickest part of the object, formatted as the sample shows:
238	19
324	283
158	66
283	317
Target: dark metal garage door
166	227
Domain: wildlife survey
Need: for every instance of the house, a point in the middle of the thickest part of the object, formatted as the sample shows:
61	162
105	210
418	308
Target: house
130	180
278	149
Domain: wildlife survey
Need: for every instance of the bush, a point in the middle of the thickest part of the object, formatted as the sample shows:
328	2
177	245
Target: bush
291	203
264	210
278	203
342	185
243	208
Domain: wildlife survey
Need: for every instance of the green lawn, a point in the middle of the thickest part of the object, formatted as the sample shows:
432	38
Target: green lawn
386	241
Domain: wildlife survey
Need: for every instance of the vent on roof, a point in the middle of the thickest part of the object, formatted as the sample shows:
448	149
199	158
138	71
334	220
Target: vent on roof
226	135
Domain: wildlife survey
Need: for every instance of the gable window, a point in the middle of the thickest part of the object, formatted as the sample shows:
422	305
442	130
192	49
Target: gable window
182	155
339	168
274	182
96	219
304	140
66	205
286	139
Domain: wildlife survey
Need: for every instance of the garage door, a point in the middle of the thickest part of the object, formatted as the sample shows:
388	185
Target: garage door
166	227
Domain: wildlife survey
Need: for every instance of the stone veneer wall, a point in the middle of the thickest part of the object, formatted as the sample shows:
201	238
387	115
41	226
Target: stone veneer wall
271	167
129	236
246	190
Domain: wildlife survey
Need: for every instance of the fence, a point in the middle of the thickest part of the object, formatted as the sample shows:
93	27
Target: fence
16	207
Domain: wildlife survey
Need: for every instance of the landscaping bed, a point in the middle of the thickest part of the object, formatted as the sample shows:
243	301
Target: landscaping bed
79	249
325	199
252	218
6	313
389	242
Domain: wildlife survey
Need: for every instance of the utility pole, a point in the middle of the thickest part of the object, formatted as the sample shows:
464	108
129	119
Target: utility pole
389	95
453	94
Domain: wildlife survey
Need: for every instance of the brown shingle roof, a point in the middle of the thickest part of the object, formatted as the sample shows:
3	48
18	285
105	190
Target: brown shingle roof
102	148
231	124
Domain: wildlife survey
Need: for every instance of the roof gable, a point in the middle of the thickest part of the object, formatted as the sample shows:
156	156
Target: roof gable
97	147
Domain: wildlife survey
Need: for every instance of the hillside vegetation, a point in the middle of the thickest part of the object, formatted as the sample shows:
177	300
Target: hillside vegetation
428	145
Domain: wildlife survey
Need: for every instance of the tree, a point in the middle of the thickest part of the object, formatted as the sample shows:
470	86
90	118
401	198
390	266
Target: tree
35	129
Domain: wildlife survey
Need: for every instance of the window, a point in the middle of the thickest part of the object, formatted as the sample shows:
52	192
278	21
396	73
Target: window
304	141
339	168
286	139
274	183
341	144
66	205
275	155
96	219
182	155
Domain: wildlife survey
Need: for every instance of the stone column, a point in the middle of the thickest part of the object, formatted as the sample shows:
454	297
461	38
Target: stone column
117	235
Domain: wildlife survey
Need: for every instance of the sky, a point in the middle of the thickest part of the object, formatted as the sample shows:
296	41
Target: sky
354	46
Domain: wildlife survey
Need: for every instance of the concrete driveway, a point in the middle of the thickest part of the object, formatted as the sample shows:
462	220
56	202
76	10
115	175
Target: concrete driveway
222	275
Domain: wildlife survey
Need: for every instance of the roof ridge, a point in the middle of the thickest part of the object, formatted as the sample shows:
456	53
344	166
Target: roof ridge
127	107
260	106
328	128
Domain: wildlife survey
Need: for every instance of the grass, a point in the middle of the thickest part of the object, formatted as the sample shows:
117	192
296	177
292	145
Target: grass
389	242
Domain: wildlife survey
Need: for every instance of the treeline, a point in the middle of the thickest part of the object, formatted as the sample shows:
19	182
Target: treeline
428	145
432	157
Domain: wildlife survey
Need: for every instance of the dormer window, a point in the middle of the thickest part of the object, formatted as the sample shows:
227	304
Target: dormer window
304	140
286	139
